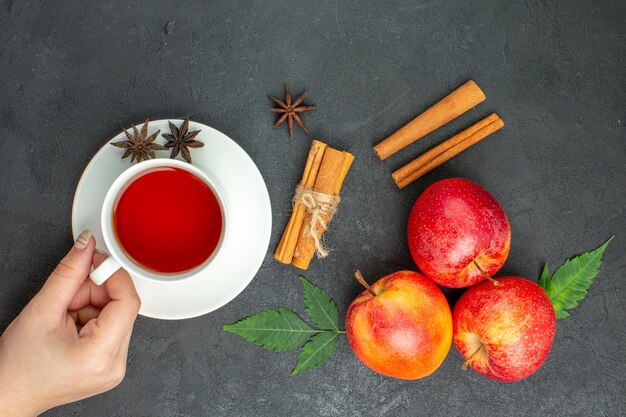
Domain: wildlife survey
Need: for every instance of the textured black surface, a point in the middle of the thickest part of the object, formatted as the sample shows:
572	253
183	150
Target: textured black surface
73	73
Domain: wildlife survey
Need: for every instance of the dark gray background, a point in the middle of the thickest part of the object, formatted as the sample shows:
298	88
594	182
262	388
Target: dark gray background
73	73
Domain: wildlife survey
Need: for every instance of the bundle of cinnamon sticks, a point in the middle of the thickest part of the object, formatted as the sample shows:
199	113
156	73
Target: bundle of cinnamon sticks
324	172
452	106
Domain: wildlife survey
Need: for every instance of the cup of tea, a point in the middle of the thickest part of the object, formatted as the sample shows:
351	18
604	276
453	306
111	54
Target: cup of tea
162	220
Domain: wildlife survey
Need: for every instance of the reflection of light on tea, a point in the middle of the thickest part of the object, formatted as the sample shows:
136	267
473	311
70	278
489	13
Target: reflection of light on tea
168	220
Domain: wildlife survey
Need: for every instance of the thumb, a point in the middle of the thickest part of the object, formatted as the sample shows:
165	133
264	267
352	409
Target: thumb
59	290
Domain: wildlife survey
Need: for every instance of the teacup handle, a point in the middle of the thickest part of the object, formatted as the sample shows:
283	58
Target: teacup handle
104	270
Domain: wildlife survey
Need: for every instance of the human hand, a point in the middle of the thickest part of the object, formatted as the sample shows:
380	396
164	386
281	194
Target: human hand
71	340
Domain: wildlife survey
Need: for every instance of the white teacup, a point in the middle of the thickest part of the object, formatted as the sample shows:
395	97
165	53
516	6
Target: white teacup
118	258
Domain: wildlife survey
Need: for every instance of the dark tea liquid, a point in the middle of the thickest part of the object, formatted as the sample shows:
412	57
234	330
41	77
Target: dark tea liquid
168	220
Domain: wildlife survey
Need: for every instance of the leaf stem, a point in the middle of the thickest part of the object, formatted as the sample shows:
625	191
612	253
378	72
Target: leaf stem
329	330
486	275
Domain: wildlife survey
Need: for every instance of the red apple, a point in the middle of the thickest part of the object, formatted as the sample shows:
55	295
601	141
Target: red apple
457	233
401	326
504	332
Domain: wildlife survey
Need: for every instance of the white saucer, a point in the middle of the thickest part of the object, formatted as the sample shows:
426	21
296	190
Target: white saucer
250	221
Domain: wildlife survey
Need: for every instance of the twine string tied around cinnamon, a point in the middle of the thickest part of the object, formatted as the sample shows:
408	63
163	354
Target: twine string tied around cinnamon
322	208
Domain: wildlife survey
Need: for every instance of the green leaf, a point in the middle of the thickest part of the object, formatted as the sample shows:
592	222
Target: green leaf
283	330
319	306
279	330
544	279
561	314
316	351
569	283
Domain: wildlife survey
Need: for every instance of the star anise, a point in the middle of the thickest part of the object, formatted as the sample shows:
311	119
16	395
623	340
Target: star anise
138	146
180	140
290	110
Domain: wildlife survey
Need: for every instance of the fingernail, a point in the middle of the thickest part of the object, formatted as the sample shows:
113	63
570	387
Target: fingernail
82	240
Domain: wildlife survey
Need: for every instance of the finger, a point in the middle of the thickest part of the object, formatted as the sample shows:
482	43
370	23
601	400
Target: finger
123	352
117	317
126	341
73	314
87	313
70	323
82	297
67	278
76	319
90	293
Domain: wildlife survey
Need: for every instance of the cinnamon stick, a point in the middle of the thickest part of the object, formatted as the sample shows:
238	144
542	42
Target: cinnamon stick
332	172
446	150
401	174
287	245
452	106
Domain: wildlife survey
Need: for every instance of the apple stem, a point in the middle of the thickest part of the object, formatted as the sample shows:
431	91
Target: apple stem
359	277
486	275
467	362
